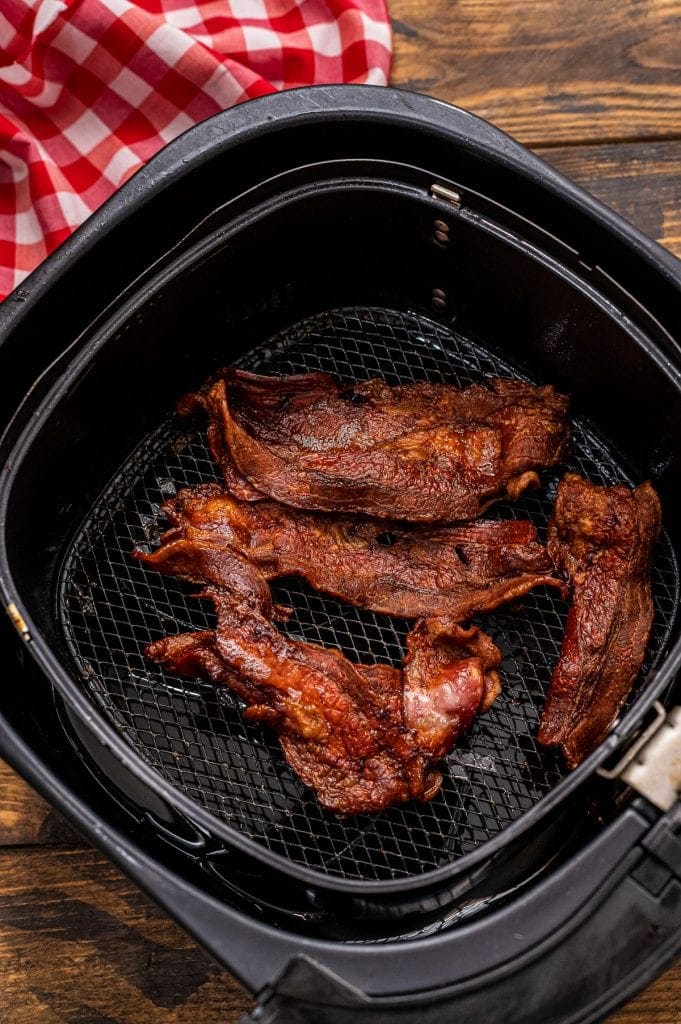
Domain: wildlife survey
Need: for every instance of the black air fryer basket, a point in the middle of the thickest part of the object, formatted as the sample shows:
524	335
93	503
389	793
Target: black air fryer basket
366	232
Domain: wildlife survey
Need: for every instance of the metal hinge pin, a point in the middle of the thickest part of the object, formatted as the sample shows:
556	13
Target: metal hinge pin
447	195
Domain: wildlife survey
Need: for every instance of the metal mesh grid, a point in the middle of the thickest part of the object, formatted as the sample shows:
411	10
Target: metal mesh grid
193	733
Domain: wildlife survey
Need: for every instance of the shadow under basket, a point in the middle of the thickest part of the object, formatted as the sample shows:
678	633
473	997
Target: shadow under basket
348	256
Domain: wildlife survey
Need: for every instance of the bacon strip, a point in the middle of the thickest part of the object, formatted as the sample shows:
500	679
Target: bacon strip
390	568
363	737
420	452
602	537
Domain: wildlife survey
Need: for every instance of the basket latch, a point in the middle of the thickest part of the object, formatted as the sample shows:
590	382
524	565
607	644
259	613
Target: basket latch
652	764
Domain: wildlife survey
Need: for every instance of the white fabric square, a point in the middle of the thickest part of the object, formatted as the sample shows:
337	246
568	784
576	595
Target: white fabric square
19	276
15	74
6	32
46	14
375	31
223	87
178	125
76	44
28	228
374	76
73	208
117	168
259	38
169	43
119	7
86	132
248	9
184	17
325	39
131	87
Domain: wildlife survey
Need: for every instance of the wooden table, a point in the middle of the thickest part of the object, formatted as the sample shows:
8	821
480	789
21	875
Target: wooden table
595	87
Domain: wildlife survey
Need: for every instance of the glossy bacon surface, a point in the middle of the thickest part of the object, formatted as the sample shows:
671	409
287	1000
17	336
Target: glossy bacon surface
419	452
602	538
393	569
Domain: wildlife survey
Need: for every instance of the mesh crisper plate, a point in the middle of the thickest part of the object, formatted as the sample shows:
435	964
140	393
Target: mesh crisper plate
193	733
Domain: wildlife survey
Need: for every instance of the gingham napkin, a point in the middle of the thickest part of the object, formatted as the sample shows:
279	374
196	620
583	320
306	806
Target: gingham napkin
90	89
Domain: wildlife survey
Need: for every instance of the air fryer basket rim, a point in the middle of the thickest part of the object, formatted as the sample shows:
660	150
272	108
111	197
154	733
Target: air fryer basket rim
302	105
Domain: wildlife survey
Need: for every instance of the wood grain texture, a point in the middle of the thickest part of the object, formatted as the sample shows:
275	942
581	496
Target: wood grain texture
25	818
79	944
659	1004
547	71
642	181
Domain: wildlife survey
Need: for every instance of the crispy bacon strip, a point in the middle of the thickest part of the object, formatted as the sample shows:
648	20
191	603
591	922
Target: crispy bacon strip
411	572
363	737
420	452
602	537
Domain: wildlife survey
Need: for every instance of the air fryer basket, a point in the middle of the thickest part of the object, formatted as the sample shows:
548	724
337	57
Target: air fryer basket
194	735
108	607
389	236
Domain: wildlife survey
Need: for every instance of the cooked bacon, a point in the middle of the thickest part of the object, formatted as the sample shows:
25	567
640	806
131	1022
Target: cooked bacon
364	737
420	452
397	570
450	677
602	537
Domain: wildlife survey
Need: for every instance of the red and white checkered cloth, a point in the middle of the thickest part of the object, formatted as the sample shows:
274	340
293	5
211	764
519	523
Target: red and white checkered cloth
90	89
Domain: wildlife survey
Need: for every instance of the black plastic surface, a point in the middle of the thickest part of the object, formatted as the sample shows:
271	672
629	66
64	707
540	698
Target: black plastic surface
146	219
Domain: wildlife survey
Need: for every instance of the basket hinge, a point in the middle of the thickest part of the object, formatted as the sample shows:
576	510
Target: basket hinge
652	764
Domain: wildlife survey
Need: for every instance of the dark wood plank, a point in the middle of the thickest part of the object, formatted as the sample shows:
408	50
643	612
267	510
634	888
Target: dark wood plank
642	181
659	1004
547	71
80	945
25	818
